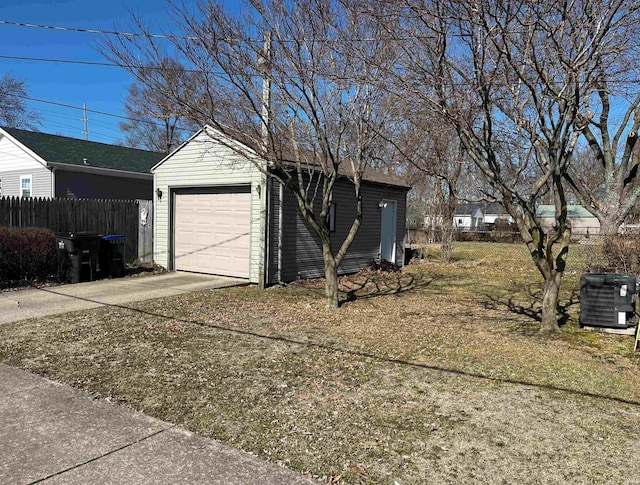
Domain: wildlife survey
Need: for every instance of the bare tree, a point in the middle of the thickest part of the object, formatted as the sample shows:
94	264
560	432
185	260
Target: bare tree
433	152
13	108
611	139
528	69
157	121
325	95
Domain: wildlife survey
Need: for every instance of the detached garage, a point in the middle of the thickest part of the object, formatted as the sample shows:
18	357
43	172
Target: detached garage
212	231
216	212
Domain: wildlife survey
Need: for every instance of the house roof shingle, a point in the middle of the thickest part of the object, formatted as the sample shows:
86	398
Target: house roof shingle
62	149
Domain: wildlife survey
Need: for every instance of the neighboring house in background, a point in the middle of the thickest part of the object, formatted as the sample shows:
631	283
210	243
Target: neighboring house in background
216	212
582	221
479	216
34	164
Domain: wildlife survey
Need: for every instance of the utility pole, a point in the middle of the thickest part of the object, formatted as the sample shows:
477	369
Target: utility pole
264	64
85	120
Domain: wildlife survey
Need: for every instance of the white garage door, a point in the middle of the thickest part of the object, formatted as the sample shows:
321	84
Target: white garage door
212	233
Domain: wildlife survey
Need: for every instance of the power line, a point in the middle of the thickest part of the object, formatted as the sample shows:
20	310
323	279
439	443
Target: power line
194	38
225	76
80	108
98	63
219	74
95	31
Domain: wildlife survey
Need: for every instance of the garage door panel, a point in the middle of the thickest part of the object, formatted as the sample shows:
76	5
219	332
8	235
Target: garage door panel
212	233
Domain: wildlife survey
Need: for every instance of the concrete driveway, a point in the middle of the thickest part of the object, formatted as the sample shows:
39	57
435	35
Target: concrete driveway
32	303
50	433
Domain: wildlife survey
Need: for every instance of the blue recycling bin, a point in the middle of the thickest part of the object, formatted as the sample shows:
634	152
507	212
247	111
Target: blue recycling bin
111	257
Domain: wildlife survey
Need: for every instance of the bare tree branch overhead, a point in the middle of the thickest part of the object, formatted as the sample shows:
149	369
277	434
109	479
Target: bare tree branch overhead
326	96
157	121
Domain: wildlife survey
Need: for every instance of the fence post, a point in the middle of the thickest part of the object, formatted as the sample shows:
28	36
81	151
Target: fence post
145	231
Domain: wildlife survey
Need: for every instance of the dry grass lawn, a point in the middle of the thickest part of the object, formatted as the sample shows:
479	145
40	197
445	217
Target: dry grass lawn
433	375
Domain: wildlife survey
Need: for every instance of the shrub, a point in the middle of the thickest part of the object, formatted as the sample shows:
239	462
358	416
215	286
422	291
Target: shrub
29	255
510	236
384	265
616	254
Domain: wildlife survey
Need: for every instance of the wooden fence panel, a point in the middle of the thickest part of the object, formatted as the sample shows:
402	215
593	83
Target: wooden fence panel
115	217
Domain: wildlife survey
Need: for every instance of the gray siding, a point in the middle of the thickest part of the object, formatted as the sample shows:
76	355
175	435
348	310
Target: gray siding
302	250
40	182
97	186
273	224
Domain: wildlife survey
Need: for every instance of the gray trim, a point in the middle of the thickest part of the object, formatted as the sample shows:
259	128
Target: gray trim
100	171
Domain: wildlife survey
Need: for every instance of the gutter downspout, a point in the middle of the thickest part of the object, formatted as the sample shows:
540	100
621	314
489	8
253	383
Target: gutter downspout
267	234
280	216
53	182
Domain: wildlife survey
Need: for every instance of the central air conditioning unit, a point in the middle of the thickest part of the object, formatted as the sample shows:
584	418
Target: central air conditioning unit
607	300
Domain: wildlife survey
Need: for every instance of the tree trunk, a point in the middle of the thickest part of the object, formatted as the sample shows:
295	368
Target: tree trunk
446	246
608	226
549	322
330	276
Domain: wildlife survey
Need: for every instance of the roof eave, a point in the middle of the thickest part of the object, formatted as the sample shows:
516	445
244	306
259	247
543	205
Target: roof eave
101	171
25	148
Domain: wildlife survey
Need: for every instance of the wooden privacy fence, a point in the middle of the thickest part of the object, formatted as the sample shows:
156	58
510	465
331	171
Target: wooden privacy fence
130	218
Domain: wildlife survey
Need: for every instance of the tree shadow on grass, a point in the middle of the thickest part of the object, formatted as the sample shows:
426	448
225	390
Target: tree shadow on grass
531	307
331	348
370	284
366	284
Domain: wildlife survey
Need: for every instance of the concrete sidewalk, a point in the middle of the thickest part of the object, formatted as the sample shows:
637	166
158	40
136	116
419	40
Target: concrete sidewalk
55	300
50	433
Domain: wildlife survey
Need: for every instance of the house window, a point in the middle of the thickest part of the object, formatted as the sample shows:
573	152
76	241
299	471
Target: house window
25	186
332	218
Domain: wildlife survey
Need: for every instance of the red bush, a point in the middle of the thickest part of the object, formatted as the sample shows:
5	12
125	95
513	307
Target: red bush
28	255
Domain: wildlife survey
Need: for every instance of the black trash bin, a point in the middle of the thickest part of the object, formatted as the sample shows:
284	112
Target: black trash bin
111	257
82	248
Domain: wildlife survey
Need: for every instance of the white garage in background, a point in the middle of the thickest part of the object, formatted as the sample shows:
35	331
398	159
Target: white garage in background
208	206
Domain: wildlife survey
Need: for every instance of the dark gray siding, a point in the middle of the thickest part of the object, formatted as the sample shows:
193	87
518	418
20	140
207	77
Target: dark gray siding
302	250
273	236
93	186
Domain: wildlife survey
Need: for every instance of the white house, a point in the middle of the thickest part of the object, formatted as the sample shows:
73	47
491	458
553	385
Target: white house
477	216
34	164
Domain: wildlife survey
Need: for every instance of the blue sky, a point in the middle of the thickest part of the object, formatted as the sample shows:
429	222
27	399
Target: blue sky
101	88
